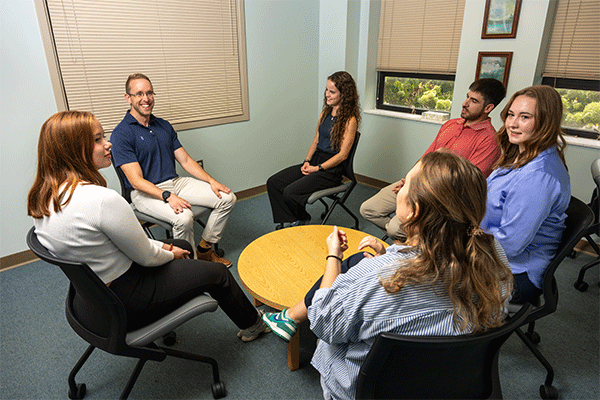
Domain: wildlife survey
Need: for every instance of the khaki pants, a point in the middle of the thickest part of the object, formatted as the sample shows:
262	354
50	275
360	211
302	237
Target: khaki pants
379	209
197	193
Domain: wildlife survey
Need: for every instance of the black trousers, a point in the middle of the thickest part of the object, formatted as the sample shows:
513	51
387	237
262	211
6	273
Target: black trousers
523	290
346	265
289	189
149	293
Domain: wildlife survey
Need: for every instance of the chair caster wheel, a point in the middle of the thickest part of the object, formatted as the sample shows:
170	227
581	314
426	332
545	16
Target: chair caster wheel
278	227
323	215
170	339
80	392
533	337
572	254
548	392
581	286
218	390
220	252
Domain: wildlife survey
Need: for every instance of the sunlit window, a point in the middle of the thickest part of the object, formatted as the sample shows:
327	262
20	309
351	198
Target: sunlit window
416	93
581	109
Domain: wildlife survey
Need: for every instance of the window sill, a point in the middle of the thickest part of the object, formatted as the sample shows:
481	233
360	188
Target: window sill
582	142
401	115
571	140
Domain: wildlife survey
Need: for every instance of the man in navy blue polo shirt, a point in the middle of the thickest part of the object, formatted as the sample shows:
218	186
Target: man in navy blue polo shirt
146	147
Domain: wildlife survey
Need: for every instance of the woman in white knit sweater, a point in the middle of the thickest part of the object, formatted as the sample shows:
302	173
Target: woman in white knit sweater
78	218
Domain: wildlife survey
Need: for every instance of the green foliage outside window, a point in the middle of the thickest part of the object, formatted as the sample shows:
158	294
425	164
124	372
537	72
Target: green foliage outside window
418	93
581	109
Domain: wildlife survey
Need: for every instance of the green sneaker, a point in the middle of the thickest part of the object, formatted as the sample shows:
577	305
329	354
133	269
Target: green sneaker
281	324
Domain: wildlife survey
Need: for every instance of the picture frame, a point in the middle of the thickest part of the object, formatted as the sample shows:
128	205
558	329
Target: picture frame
501	19
494	65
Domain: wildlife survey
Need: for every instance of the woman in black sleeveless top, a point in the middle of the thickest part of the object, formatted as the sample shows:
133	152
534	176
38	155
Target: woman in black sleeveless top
290	188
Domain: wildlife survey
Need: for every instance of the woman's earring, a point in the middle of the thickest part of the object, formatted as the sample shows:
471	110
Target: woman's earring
409	216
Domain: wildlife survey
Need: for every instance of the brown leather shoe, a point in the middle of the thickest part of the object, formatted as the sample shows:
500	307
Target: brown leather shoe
210	255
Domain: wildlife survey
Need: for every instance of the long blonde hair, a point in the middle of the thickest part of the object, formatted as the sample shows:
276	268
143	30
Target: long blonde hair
547	128
449	196
65	150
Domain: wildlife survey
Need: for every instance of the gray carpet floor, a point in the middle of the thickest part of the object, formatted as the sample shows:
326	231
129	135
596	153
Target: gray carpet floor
38	348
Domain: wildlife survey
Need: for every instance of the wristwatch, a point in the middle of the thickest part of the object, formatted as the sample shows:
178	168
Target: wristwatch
321	168
165	195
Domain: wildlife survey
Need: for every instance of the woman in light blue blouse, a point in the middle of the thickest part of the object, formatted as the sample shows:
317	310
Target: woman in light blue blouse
529	191
446	280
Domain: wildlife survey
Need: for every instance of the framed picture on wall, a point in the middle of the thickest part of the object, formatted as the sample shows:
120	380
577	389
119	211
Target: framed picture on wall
494	65
500	19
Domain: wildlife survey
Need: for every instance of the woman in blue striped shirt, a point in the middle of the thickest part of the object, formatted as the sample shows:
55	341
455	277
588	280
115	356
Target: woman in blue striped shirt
446	280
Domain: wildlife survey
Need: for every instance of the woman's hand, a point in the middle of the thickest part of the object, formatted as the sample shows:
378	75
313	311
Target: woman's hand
179	253
308	169
373	243
337	242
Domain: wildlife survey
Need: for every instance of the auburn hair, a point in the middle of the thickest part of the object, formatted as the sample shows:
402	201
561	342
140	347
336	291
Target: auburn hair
547	128
65	149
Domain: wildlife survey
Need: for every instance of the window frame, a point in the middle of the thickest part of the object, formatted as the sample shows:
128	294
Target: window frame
574	84
381	75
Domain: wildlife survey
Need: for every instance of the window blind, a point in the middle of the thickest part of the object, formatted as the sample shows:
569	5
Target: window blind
574	50
192	51
420	36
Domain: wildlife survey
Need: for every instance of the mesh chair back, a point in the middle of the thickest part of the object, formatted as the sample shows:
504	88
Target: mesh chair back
579	218
595	203
434	367
105	315
125	191
349	162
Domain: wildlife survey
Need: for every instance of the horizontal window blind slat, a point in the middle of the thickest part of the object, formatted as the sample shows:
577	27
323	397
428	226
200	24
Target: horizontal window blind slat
574	50
186	48
419	35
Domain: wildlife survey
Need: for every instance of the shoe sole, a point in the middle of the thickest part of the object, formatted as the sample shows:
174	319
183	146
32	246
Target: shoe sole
276	330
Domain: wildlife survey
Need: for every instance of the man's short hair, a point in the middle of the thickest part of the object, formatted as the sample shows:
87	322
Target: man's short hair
134	77
492	90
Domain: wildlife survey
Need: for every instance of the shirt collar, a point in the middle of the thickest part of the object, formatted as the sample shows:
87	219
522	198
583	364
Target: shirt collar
130	119
485	124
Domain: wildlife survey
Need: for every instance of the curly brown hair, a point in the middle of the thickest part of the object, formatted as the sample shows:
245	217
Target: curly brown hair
349	106
449	196
547	128
65	150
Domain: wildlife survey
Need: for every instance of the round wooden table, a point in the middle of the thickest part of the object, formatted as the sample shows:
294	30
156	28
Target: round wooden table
280	267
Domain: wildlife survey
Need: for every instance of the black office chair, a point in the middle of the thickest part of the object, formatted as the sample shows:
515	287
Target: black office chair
110	320
339	194
435	367
579	218
580	284
148	221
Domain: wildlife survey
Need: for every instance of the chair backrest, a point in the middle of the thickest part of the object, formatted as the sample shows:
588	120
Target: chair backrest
579	218
349	162
595	203
108	329
596	172
435	367
125	191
